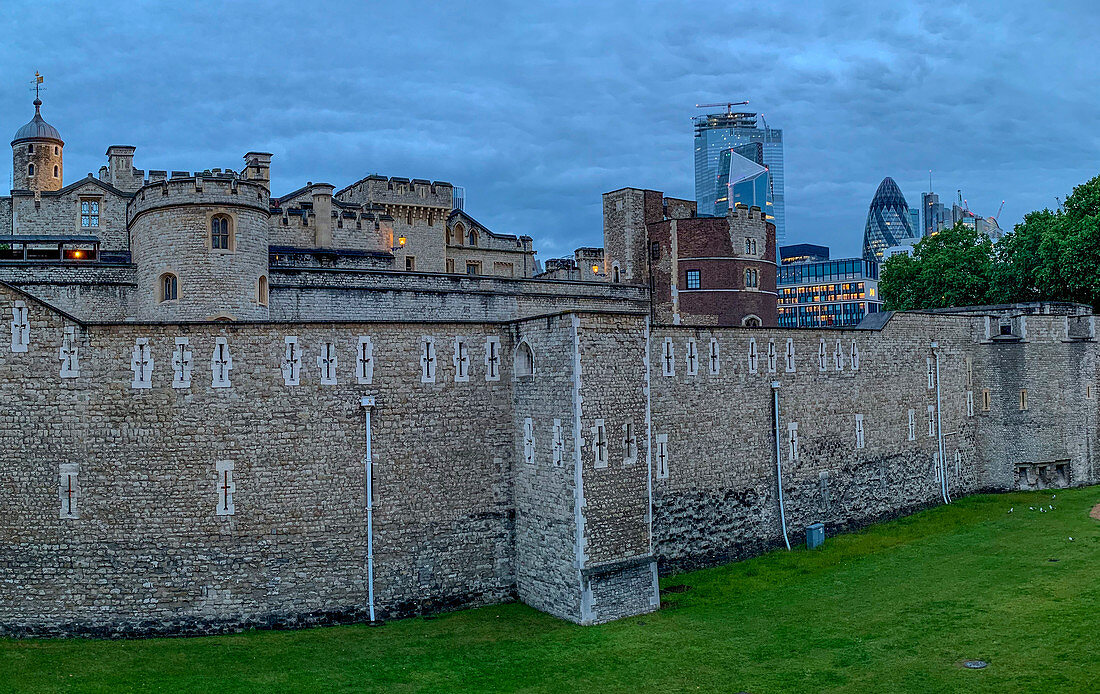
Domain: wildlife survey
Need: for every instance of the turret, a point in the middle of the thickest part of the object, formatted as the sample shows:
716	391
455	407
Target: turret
257	167
37	155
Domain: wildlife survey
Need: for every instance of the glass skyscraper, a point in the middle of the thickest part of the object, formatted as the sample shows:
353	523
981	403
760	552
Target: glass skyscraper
716	132
888	221
741	180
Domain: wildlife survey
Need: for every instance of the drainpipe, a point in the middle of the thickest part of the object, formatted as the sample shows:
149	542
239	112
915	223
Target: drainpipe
939	430
779	464
368	464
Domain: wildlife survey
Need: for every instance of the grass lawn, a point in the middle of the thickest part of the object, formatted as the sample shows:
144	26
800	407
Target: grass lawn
894	608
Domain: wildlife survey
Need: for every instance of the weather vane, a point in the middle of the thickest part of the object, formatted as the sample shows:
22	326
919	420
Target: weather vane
38	79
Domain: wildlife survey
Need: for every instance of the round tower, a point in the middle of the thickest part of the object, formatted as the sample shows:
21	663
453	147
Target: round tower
199	245
37	155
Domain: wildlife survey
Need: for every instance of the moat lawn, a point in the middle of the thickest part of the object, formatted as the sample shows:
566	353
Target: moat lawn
895	608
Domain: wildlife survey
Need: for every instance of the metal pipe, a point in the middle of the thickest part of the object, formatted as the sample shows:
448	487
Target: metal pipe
368	464
779	464
939	430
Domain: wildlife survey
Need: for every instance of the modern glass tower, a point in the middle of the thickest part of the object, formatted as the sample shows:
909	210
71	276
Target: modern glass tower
716	132
887	221
741	180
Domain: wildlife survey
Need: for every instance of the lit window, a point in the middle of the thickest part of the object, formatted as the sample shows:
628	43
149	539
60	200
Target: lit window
694	278
89	213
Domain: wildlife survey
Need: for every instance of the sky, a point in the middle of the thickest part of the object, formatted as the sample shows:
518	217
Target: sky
539	108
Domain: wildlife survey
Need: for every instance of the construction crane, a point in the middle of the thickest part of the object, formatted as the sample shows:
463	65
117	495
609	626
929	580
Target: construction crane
999	210
729	106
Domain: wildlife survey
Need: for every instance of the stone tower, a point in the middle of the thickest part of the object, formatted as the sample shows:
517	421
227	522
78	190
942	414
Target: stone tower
36	155
200	248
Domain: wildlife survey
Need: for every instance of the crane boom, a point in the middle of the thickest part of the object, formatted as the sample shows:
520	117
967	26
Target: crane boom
728	104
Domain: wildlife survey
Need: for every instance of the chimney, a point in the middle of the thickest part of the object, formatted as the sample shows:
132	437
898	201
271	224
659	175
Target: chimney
257	167
120	166
322	211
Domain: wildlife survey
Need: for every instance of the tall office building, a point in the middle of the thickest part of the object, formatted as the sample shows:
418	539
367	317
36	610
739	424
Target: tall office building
888	221
717	132
742	181
934	217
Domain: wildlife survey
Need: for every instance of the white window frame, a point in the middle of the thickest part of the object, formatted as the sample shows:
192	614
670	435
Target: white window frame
860	439
912	425
630	444
599	444
668	358
20	327
69	353
529	440
364	360
691	356
754	356
855	356
773	357
68	491
492	358
225	380
714	362
428	359
969	403
558	444
822	358
790	356
931	420
225	488
327	363
931	373
792	442
182	363
838	357
661	456
461	360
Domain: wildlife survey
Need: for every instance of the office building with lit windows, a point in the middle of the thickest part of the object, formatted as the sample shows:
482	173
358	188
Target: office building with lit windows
827	294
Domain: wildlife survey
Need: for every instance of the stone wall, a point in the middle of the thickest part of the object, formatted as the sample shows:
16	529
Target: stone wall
58	214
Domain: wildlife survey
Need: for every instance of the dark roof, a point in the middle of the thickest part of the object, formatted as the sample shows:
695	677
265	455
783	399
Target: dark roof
44	238
37	128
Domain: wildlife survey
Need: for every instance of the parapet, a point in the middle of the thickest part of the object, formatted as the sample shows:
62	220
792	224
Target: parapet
206	188
398	191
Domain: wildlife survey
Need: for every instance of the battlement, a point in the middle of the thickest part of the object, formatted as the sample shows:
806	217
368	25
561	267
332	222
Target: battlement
398	191
214	187
741	211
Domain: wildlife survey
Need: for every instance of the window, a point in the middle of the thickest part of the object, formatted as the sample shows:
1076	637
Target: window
220	232
931	420
715	358
221	363
524	362
748	246
492	359
450	264
431	217
473	237
1023	398
822	361
364	360
790	355
694	279
168	287
410	263
655	251
459	234
751	322
56	150
772	356
985	400
261	290
473	267
327	362
855	356
30	148
691	355
427	359
181	364
461	360
969	403
838	357
752	356
529	441
792	441
752	277
615	274
558	444
68	489
68	354
630	445
20	327
931	373
662	456
599	444
141	363
292	361
859	431
30	169
912	425
669	359
56	172
89	213
226	486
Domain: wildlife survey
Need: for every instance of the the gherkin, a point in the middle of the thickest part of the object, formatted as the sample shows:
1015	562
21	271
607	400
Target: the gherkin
887	221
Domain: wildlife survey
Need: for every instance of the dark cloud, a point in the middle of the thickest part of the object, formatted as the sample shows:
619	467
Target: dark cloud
538	108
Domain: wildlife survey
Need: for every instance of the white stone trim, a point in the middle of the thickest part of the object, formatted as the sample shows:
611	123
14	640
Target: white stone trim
327	363
492	358
599	444
558	443
221	363
790	364
69	354
461	359
364	360
714	360
20	327
225	487
668	358
529	441
427	359
291	368
691	356
662	456
181	364
754	356
912	425
141	364
792	442
860	438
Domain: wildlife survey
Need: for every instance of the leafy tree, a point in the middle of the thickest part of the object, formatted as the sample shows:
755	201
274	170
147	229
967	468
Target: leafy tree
951	268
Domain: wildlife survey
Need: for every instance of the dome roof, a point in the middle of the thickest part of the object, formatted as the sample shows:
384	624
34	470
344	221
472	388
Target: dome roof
37	129
888	195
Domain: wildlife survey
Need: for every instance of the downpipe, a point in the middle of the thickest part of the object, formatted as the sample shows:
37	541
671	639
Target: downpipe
779	464
944	491
368	465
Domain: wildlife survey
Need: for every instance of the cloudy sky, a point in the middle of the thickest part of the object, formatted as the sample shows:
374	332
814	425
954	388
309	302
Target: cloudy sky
538	108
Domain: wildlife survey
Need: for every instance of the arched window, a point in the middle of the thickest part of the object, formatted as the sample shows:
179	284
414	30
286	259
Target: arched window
30	169
459	234
752	279
751	322
56	150
615	274
169	290
220	232
525	360
447	236
261	290
55	172
473	237
30	148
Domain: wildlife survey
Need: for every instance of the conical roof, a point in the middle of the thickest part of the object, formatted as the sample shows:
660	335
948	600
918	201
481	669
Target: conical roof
887	220
37	129
888	195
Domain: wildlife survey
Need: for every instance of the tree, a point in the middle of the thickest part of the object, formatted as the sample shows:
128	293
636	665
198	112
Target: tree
953	267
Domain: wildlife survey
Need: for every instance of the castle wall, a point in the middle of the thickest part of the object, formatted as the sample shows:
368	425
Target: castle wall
343	295
148	550
93	292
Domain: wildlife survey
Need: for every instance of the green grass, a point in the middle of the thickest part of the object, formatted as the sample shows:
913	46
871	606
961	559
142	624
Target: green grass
894	608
